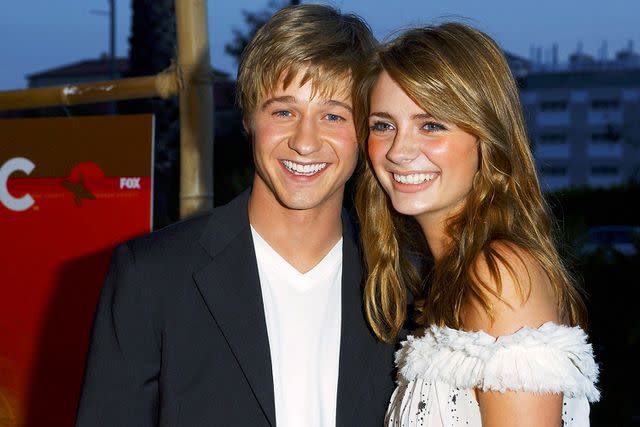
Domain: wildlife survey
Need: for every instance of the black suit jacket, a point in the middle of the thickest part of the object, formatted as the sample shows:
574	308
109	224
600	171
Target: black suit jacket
180	339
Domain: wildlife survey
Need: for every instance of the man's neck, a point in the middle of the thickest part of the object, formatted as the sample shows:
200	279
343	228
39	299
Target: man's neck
301	237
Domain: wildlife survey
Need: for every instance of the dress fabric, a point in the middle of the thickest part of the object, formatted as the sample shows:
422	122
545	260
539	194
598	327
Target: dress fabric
438	372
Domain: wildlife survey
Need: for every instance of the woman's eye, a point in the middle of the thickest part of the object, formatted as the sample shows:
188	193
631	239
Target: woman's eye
433	127
380	127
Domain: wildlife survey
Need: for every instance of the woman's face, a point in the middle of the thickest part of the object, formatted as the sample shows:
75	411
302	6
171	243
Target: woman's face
425	165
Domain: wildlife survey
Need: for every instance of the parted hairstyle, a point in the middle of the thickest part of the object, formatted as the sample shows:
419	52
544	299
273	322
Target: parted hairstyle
317	39
459	75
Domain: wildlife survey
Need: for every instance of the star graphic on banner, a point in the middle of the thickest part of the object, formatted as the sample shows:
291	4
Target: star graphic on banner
79	190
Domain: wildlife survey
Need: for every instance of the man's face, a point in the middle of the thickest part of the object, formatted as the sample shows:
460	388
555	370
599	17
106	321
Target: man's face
304	145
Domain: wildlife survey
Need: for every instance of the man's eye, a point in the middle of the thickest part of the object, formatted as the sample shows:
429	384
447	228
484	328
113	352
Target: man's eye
380	127
282	113
334	117
433	127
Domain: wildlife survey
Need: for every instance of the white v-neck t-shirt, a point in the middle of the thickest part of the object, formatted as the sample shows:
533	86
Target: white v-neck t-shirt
303	316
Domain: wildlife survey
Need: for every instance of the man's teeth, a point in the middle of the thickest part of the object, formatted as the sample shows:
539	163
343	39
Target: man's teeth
414	178
299	169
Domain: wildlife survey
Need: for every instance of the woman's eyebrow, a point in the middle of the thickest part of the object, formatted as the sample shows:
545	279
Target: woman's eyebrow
422	116
382	115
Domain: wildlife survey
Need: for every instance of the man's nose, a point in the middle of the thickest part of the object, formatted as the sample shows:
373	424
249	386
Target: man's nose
305	140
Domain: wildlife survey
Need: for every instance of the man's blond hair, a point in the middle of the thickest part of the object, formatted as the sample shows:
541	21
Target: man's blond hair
315	39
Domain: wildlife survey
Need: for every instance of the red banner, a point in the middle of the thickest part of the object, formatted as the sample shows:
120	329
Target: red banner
70	190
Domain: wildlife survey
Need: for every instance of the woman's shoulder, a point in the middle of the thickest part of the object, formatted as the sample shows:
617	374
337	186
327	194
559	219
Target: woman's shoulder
515	286
551	358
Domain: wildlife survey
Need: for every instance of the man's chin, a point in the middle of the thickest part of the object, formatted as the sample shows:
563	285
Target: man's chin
299	203
308	200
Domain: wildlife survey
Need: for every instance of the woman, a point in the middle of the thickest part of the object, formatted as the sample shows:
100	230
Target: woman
501	342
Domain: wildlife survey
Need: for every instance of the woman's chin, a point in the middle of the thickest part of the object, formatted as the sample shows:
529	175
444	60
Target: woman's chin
411	209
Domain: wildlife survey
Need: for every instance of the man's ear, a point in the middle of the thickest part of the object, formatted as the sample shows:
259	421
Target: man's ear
246	125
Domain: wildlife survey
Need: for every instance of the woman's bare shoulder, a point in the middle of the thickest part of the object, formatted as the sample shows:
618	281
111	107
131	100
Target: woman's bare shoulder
520	292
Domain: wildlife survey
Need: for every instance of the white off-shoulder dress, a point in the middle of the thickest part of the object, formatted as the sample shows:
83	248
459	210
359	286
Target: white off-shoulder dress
438	371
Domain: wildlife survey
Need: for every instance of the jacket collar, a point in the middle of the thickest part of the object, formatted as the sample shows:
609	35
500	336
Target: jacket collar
231	289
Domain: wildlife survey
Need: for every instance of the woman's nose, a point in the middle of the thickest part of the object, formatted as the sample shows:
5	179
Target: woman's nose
403	150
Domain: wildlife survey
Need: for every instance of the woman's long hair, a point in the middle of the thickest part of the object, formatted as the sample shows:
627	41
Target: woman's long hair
459	75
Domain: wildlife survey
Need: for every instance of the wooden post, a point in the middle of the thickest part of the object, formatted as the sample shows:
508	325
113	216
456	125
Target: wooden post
196	108
164	85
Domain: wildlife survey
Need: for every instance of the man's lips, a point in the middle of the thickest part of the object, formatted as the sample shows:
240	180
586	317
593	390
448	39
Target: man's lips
303	169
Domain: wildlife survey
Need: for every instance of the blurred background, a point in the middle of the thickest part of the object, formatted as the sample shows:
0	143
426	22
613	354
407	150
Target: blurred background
578	68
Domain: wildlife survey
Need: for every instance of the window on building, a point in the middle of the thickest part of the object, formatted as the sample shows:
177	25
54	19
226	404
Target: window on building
553	105
553	170
610	136
604	170
553	138
605	104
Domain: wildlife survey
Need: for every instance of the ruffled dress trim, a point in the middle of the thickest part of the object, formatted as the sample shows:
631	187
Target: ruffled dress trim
550	359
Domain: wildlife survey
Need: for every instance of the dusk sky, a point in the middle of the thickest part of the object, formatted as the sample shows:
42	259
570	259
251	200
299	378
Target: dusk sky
36	35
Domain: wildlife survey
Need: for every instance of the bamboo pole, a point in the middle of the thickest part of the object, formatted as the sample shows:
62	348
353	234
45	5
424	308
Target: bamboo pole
196	108
164	85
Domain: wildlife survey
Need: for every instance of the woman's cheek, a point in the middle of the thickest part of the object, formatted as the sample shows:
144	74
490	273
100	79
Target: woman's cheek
377	150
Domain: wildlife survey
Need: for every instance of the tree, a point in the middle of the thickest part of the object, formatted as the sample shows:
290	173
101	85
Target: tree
152	46
253	21
153	36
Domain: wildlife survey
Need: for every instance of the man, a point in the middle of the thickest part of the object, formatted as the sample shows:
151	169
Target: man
252	315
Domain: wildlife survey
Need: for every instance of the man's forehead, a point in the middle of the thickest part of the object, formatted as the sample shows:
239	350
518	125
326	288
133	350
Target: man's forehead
321	87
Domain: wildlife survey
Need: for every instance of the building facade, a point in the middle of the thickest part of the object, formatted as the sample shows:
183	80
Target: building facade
584	121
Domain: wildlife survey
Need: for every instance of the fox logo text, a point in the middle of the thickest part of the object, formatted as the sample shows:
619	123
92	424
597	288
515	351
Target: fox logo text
10	202
130	183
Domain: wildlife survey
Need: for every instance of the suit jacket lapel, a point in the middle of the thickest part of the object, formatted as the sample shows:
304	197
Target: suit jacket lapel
356	342
231	289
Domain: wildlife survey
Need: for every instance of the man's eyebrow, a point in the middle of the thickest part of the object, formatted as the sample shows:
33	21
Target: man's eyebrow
284	99
292	100
333	102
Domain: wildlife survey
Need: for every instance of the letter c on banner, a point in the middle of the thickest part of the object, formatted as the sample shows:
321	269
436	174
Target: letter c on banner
16	164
